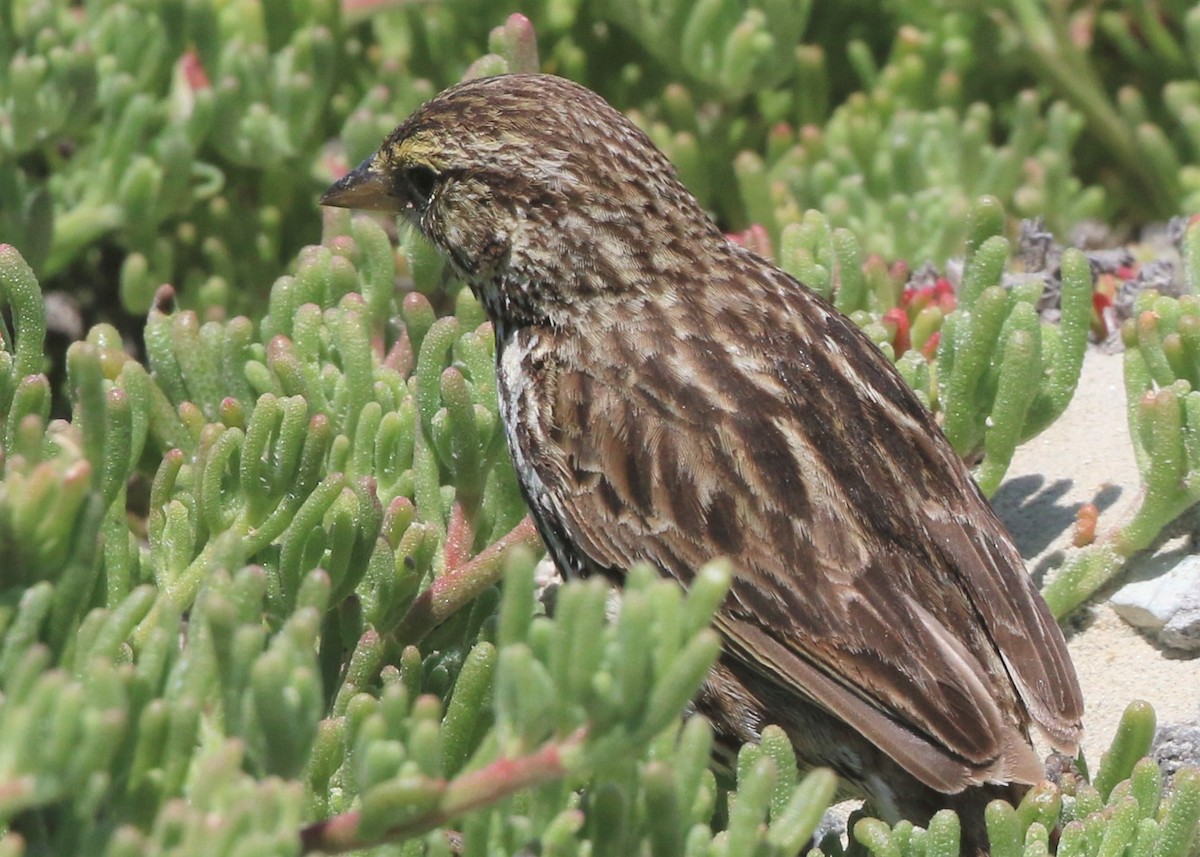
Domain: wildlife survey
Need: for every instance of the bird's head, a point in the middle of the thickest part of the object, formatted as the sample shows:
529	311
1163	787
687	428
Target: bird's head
534	189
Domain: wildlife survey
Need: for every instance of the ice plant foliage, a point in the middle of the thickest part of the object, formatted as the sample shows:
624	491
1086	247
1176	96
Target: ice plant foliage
266	674
249	598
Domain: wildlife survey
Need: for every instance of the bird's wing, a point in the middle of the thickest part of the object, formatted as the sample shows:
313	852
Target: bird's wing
872	576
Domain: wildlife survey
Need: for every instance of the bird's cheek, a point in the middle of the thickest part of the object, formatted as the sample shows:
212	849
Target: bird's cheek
478	245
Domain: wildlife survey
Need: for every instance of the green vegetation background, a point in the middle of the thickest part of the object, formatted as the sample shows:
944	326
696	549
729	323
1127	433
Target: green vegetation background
253	522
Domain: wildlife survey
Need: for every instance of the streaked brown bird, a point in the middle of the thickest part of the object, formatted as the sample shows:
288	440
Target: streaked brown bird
669	396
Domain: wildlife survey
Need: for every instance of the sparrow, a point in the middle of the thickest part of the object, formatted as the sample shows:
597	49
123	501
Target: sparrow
670	397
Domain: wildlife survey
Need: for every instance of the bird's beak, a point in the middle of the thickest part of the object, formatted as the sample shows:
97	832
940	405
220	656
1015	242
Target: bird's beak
364	187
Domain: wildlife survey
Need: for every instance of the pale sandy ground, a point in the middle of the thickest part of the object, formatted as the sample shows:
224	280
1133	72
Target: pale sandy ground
1086	456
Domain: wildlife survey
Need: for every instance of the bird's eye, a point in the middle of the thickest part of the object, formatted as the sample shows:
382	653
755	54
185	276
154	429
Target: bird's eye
420	181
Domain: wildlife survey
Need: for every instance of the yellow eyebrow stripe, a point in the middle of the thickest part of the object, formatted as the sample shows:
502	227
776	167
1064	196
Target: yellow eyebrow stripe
416	150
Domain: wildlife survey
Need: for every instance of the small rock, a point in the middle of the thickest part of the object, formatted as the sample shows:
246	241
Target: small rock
1037	247
1176	745
1182	630
1167	605
835	825
546	581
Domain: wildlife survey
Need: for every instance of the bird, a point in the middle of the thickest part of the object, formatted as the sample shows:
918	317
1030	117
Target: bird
669	397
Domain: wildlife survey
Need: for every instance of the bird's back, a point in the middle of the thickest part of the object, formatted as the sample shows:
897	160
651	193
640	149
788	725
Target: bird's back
873	579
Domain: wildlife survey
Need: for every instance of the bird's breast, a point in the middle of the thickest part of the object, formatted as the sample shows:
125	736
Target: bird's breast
518	380
525	382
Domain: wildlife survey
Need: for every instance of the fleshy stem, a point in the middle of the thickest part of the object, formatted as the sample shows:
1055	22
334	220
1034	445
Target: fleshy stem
474	790
458	586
